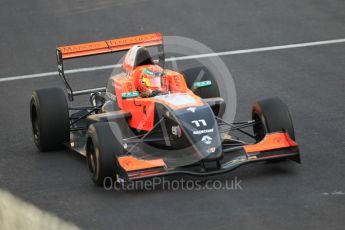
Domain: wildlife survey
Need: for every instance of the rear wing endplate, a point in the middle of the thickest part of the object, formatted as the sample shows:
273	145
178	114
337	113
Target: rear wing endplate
104	47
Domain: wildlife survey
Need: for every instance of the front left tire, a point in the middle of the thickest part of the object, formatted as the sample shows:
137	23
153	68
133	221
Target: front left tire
104	145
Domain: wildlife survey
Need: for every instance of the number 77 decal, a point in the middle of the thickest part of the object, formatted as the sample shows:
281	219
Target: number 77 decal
197	122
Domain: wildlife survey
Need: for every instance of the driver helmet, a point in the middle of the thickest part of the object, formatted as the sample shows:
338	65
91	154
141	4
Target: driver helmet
151	77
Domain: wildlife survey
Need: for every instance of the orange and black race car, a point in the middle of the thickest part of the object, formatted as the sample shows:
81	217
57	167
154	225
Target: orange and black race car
127	134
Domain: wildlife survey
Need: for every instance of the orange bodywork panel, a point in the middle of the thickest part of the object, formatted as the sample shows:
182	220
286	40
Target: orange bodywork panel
176	82
143	109
197	101
109	46
270	142
130	163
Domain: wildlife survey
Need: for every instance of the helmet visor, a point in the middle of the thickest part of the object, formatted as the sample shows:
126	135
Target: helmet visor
152	81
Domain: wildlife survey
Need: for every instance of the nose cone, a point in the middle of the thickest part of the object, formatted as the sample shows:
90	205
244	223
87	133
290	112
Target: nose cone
201	129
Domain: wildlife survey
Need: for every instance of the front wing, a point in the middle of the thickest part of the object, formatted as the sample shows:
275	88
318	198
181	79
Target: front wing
273	146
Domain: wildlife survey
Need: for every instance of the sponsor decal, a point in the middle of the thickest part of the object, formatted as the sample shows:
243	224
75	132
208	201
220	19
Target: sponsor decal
192	109
206	139
237	160
198	132
211	150
176	130
177	80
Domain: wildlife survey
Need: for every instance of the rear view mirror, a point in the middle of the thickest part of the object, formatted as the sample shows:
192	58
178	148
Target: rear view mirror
201	84
130	94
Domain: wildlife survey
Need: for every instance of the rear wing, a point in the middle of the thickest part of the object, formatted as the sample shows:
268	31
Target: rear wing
103	47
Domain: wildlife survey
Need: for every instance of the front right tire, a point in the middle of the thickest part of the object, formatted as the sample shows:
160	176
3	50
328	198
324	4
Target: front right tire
272	115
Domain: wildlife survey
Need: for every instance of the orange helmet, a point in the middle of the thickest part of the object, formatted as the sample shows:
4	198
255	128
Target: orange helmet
151	76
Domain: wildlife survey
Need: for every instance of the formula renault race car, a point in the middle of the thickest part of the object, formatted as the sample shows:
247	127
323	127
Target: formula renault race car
126	136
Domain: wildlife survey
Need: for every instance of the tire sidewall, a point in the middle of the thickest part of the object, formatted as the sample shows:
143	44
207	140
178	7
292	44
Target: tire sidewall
274	115
52	116
106	150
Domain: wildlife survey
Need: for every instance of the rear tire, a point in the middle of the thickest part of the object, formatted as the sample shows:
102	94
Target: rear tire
49	118
104	144
273	116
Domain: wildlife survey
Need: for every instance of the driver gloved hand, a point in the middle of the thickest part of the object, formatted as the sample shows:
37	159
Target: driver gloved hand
155	93
150	93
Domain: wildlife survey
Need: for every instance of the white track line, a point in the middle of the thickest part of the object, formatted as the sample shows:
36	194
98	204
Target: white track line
255	50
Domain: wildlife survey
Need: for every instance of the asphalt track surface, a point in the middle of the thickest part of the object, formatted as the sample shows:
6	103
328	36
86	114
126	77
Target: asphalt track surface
274	196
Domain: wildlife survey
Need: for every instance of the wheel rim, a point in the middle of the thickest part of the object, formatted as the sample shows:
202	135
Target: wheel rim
92	161
259	128
35	125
